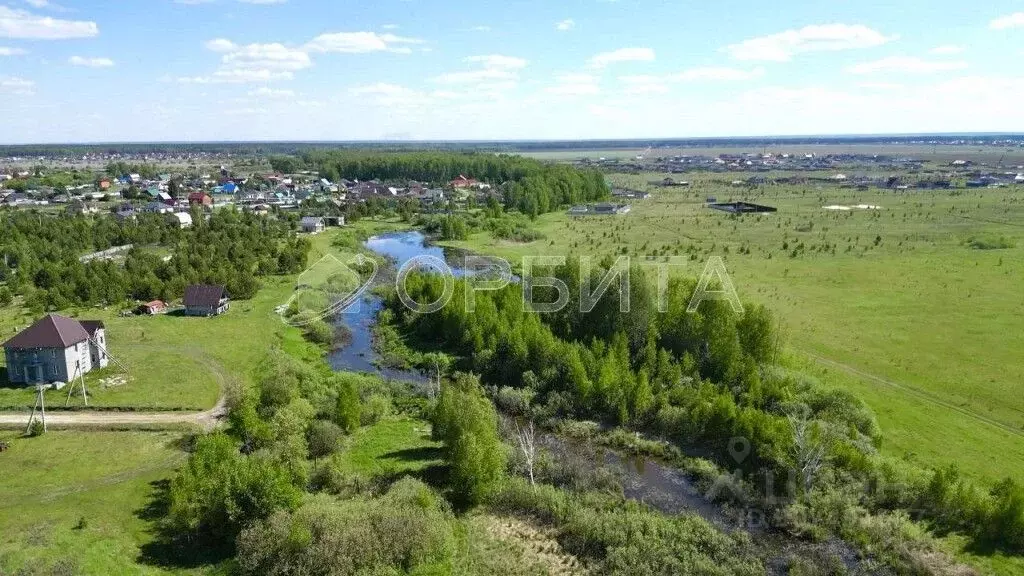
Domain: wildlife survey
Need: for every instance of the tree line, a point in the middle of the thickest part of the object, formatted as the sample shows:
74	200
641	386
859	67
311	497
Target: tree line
39	256
529	186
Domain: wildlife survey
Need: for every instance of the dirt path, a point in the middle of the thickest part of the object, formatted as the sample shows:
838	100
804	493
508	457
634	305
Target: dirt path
207	419
919	394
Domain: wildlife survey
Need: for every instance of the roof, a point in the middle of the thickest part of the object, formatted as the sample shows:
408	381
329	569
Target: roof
204	295
312	220
91	326
155	304
51	331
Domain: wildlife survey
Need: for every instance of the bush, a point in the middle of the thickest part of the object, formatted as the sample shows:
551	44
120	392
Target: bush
36	429
409	528
6	297
324	438
376	408
219	491
320	332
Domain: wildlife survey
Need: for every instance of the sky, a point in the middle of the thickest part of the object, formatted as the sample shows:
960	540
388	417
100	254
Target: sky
220	70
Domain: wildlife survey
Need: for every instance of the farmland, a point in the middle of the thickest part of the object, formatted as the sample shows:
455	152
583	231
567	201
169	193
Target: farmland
901	305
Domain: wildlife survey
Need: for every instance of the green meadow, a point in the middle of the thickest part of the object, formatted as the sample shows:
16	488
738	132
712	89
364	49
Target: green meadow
915	306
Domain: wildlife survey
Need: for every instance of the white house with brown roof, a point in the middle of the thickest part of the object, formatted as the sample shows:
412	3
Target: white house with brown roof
56	349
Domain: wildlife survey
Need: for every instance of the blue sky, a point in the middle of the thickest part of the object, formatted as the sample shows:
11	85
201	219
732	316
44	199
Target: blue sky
147	70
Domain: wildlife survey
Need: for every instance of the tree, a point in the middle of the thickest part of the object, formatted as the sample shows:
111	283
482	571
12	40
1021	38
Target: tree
323	437
808	451
467	423
347	408
525	438
219	491
6	297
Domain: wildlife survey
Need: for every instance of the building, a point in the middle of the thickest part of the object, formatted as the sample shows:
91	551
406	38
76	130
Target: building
462	182
56	349
742	207
313	224
206	300
604	209
153	308
184	219
200	199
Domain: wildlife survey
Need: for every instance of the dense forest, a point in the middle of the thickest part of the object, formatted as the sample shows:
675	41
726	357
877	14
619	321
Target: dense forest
702	380
40	256
526	185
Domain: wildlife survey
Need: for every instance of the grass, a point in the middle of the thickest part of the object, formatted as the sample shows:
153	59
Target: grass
922	326
173	362
392	448
74	506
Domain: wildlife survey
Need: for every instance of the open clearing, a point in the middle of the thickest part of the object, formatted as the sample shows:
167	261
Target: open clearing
894	304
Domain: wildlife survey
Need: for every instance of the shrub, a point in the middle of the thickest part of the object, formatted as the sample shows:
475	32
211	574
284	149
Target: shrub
324	438
409	528
6	296
36	429
376	408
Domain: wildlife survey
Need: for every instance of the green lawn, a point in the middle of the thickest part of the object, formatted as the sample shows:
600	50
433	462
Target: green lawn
78	500
925	328
391	448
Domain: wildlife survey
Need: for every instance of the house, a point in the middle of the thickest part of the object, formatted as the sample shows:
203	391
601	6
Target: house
1019	179
55	349
604	209
229	188
200	199
184	219
104	184
153	308
157	208
742	207
205	300
312	224
462	182
125	213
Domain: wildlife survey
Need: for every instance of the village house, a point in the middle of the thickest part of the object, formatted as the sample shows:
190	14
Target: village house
184	219
55	349
205	300
200	199
153	308
312	224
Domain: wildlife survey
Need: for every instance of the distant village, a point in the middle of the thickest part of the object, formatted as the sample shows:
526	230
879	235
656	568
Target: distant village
130	194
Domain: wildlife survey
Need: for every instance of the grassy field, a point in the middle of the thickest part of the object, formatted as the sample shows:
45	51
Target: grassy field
73	508
938	154
895	304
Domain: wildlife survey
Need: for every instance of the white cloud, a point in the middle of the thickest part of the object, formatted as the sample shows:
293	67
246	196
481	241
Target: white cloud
1015	20
622	55
718	73
5	51
565	25
14	85
498	61
946	50
493	68
361	43
252	63
783	46
648	84
23	24
574	85
274	57
265	92
37	3
221	45
907	65
390	26
90	62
